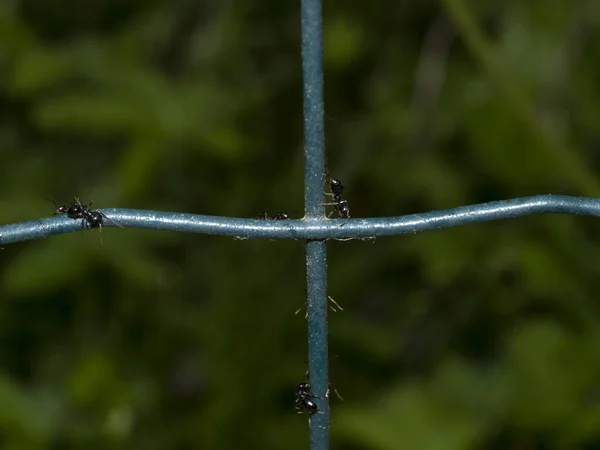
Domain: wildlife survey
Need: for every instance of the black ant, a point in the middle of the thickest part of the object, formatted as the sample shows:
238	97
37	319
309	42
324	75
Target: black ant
341	205
263	215
89	218
279	216
74	211
304	400
282	216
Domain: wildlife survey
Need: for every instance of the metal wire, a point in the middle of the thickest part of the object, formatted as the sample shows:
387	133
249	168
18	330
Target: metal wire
318	362
316	251
314	228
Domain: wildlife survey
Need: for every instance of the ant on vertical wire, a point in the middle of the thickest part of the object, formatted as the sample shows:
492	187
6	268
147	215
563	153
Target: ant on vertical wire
304	403
304	398
89	218
341	205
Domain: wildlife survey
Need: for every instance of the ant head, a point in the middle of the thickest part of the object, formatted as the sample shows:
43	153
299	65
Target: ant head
336	186
62	209
263	215
282	216
303	387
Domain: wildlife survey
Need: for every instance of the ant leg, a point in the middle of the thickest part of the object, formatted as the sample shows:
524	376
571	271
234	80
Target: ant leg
325	204
55	205
110	220
84	208
100	232
342	216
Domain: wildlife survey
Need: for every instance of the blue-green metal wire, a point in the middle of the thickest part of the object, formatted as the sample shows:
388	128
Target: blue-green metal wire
313	228
316	281
316	251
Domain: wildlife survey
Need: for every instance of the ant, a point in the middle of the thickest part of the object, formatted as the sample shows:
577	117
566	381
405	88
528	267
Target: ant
74	211
282	216
341	205
279	216
263	216
89	218
304	400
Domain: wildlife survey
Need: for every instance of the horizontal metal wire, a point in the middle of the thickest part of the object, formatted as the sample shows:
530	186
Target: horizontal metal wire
311	228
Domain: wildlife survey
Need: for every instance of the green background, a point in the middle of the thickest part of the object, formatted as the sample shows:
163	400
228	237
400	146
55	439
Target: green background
480	337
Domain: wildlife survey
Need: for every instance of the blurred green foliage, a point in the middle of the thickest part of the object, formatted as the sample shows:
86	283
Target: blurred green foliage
479	337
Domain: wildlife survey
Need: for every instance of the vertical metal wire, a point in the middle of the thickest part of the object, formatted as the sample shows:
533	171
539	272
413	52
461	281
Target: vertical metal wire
316	251
316	278
312	71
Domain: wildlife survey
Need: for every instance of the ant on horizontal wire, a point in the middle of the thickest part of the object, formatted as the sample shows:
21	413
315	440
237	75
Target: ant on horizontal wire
279	216
89	218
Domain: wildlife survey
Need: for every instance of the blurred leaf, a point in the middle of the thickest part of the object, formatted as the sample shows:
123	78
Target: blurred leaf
405	419
342	42
45	266
37	70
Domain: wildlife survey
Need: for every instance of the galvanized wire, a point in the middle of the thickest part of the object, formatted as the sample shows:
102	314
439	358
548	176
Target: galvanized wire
316	251
316	281
314	228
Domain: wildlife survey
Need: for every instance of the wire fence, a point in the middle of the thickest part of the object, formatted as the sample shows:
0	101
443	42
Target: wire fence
315	228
